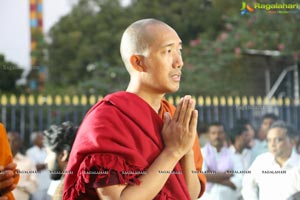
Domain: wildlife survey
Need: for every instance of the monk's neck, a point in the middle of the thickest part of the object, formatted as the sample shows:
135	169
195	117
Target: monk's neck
153	99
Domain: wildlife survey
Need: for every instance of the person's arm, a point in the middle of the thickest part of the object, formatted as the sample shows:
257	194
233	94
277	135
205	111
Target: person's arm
30	185
249	185
178	135
198	158
151	182
218	177
32	155
237	178
191	179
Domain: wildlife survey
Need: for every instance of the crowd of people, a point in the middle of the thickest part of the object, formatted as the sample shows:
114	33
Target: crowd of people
134	144
242	163
44	161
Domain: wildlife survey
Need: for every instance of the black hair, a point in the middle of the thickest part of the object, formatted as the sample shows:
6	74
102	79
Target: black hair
243	121
270	116
202	128
237	130
60	137
216	123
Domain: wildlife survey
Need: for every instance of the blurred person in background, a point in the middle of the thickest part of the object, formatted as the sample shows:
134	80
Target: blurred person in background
260	144
273	173
240	147
251	131
28	181
203	134
37	154
58	142
219	166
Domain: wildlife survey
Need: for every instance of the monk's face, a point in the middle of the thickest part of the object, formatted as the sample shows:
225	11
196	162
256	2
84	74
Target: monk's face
163	63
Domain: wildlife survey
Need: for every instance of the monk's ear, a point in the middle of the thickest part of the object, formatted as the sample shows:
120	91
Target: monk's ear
137	62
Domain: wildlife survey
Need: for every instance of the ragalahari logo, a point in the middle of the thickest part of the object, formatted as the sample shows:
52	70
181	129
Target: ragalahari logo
246	8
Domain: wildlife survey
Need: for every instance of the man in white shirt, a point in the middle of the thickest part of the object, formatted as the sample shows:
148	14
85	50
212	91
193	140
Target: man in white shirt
240	147
37	154
273	173
219	167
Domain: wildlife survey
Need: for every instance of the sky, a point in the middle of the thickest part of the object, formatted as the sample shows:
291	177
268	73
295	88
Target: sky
15	27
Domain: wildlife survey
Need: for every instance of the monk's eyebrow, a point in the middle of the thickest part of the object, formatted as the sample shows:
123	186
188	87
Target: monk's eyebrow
171	44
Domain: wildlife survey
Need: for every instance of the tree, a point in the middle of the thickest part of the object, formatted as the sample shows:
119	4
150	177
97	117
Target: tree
90	36
84	48
9	74
225	68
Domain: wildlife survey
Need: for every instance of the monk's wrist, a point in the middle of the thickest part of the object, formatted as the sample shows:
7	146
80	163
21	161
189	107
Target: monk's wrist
173	154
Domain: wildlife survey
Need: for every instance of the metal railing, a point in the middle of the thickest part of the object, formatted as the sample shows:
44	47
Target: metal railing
28	113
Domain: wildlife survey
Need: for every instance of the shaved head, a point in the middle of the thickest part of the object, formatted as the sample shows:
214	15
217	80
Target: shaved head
137	38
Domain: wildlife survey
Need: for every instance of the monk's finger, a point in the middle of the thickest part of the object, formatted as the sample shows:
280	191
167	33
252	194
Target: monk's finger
11	166
177	111
194	121
188	113
3	198
8	189
185	104
6	183
4	175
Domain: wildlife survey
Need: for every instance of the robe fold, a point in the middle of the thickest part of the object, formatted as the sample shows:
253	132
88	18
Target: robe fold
121	136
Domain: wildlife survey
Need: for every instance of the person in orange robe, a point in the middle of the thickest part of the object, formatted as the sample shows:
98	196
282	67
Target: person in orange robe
8	176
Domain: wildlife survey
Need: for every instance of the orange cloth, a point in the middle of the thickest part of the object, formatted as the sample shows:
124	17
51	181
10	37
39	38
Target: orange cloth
6	155
167	107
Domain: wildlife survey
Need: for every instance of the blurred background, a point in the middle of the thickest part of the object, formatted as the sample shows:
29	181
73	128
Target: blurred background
58	57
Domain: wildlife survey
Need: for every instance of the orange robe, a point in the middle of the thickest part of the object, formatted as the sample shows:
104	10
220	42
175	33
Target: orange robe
167	107
6	155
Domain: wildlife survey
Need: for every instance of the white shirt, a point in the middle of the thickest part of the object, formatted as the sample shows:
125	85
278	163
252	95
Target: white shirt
218	191
38	156
259	148
27	183
270	181
244	158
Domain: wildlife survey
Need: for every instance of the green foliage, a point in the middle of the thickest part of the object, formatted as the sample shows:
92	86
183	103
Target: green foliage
91	34
221	64
84	48
9	74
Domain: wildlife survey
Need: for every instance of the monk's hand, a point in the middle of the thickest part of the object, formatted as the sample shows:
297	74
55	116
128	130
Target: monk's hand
7	177
179	132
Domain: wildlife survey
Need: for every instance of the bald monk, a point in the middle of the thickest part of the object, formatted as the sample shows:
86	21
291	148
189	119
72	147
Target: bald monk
134	144
8	176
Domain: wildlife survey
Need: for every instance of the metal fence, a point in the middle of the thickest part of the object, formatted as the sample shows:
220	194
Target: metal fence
28	113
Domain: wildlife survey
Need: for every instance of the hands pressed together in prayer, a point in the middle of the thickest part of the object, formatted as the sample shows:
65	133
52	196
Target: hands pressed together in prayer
8	178
179	132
